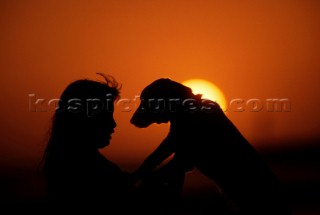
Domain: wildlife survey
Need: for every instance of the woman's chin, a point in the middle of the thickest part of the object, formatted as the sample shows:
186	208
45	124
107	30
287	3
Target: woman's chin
104	144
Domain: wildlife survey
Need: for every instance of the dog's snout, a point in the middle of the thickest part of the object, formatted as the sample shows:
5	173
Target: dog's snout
140	120
133	120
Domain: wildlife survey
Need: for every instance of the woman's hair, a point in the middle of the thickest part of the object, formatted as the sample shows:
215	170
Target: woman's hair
80	106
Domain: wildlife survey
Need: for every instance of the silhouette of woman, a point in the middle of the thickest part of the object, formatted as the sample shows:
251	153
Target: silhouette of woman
77	175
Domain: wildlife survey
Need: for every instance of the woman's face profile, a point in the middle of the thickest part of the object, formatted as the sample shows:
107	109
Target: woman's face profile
103	128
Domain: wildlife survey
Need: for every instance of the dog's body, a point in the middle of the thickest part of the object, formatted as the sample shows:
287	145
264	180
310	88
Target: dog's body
201	136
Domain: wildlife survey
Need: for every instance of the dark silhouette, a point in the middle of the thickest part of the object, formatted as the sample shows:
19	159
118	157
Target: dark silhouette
202	137
77	175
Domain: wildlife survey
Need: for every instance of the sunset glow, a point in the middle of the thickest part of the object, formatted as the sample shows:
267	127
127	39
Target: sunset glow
208	91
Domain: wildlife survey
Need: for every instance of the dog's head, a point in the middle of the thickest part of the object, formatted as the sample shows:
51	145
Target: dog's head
158	101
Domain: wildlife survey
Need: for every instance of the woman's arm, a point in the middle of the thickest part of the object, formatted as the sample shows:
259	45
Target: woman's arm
163	151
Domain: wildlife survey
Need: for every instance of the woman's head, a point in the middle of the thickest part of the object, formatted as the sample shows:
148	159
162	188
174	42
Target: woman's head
84	117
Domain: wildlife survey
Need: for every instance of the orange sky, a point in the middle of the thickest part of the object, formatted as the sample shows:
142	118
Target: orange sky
249	49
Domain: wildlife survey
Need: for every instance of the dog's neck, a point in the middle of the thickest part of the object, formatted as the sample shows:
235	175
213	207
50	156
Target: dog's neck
187	112
184	109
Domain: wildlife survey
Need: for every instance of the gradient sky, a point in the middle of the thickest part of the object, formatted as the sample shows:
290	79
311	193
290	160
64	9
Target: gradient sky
249	49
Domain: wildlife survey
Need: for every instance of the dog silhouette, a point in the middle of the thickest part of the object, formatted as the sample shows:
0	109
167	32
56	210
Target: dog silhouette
201	136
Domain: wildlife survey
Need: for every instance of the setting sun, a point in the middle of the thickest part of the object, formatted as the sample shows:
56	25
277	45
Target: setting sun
208	91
